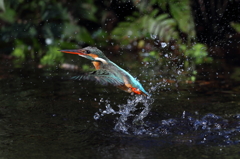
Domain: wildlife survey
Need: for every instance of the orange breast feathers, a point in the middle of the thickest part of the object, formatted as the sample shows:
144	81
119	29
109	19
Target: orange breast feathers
96	64
129	88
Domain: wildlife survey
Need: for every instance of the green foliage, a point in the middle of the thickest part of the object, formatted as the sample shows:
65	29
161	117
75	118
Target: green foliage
52	57
236	74
236	26
181	11
87	68
84	36
8	15
178	12
2	7
150	25
194	55
197	53
80	32
19	51
193	77
29	26
86	9
162	26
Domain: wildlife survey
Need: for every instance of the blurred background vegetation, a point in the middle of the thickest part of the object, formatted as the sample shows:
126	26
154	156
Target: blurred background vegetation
184	34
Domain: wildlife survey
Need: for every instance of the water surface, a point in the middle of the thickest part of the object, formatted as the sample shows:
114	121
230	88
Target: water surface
43	114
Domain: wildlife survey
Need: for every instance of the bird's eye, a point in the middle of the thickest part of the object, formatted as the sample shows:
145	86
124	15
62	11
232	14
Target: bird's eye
88	52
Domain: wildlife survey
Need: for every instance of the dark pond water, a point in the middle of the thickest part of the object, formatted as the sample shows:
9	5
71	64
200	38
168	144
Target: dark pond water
45	115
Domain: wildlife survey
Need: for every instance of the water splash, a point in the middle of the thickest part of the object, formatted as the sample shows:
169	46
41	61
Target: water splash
124	124
209	128
126	111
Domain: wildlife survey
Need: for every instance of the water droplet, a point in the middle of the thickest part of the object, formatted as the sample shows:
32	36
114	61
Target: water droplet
153	36
48	41
96	116
163	44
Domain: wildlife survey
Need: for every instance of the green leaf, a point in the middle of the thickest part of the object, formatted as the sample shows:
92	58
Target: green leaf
181	11
235	26
154	13
19	50
52	57
2	7
9	15
162	17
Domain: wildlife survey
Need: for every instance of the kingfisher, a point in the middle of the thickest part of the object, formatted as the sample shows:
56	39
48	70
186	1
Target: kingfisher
107	72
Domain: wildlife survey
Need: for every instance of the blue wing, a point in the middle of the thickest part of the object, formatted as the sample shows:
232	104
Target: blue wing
101	76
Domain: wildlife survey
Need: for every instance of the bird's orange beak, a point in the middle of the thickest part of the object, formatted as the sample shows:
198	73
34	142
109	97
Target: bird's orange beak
80	52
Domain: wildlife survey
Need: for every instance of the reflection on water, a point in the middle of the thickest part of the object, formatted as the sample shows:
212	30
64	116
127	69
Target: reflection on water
46	116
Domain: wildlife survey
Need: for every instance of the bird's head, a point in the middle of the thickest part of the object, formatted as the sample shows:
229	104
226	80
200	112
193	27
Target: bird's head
91	53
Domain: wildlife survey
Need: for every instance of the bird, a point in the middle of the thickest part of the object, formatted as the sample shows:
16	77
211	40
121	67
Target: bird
107	72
